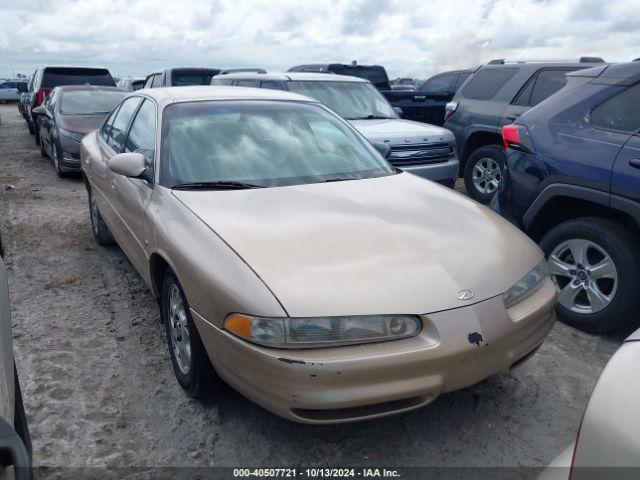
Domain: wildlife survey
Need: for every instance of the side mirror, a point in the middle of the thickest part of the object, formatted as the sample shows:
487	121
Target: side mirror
383	148
399	111
41	110
128	164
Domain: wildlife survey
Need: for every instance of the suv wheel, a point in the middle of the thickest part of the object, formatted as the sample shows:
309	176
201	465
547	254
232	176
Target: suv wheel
190	361
43	152
595	264
483	172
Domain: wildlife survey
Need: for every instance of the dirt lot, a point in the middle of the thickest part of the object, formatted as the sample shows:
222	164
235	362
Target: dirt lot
99	389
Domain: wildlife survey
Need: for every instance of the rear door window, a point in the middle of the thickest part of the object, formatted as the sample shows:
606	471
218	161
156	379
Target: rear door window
439	84
619	113
461	79
247	83
271	84
182	78
53	77
487	82
121	122
548	83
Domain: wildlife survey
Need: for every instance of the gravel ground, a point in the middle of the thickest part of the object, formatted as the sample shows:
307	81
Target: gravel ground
100	392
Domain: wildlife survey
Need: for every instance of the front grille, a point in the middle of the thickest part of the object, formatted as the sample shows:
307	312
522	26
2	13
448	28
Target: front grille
420	154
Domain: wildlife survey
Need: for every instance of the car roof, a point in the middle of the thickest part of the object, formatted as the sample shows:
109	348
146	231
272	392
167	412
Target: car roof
167	95
67	88
295	77
538	65
92	67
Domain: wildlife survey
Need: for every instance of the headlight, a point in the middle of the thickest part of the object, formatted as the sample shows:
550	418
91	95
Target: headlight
526	285
322	331
77	136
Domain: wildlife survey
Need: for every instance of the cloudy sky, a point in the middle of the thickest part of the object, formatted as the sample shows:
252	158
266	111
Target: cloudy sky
411	38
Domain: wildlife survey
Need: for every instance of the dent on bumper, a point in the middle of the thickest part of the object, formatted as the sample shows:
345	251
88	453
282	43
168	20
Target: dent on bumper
455	349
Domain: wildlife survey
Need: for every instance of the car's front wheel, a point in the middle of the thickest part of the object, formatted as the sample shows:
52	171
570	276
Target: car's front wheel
99	228
483	172
36	128
190	361
595	264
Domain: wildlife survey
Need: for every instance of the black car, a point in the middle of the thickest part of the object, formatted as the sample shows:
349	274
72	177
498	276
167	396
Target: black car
180	77
496	95
376	74
426	103
68	114
47	78
572	182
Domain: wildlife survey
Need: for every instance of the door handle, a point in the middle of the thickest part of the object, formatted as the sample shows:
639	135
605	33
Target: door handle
512	116
635	162
113	185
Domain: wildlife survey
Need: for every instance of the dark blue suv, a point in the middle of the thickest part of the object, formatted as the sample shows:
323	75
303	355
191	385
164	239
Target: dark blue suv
572	182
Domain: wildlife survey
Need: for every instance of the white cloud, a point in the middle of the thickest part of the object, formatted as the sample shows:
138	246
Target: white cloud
414	38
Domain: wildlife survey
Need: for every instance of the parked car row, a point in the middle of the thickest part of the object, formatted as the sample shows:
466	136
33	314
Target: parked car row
313	265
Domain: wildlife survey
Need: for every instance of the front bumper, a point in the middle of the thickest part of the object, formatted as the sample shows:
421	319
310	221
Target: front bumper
455	349
446	171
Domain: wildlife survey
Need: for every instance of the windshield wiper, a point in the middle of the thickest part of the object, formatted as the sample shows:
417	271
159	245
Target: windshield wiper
221	185
370	117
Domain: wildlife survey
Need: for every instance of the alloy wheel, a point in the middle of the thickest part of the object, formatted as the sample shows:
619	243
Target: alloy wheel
180	338
486	175
584	274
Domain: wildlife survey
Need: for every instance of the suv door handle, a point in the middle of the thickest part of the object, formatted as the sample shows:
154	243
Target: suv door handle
512	116
635	162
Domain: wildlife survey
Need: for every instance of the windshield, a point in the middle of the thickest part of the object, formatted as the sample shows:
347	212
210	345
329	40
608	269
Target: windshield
183	78
90	102
53	77
351	100
263	143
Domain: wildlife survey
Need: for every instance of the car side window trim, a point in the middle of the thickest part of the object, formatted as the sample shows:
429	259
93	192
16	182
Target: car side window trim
155	149
128	125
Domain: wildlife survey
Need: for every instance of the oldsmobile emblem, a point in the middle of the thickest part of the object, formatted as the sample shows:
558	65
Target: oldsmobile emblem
465	295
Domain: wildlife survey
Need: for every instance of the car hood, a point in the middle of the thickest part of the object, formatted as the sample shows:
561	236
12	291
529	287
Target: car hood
397	131
81	123
389	245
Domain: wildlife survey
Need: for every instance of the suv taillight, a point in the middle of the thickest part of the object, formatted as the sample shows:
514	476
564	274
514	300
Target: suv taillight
517	137
450	109
41	95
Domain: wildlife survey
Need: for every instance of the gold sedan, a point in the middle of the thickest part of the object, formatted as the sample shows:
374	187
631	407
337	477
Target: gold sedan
288	255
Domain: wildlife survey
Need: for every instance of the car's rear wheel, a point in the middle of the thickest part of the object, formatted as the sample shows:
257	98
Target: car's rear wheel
595	265
99	228
483	172
190	361
31	129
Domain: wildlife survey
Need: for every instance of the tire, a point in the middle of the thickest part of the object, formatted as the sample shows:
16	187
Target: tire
483	186
56	160
30	125
99	228
43	152
590	301
191	363
20	418
36	128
